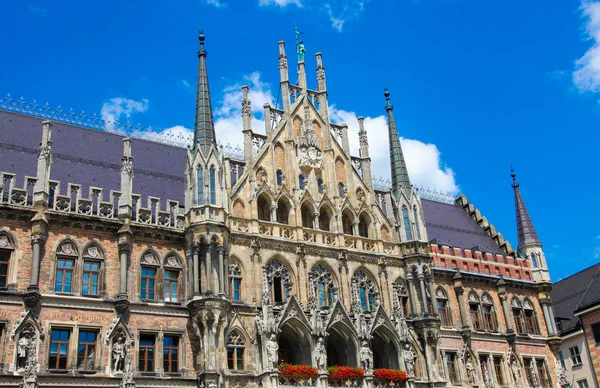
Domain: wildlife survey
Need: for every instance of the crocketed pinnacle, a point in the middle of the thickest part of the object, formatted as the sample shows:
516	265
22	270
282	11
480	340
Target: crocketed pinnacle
400	178
525	229
204	129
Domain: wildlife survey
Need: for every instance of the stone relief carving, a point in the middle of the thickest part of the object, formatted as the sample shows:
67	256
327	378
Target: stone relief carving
516	373
409	360
310	148
27	357
561	374
471	374
272	351
118	355
366	357
321	355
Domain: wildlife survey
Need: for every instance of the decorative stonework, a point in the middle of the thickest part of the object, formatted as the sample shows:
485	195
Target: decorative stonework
309	145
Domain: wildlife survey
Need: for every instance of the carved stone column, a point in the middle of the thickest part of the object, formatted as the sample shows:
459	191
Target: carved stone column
221	251
421	279
459	290
124	254
411	294
37	242
196	259
434	304
501	285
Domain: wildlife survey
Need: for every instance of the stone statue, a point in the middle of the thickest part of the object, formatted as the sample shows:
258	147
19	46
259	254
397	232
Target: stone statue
470	371
301	51
272	350
404	335
321	355
516	372
118	355
23	349
409	360
366	357
561	374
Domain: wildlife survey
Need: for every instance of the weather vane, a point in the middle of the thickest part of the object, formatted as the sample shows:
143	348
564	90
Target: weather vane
300	49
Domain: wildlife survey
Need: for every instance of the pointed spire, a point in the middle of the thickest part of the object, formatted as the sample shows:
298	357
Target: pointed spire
204	129
525	229
400	178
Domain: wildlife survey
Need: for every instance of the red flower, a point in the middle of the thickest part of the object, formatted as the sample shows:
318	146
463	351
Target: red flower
391	375
345	372
298	371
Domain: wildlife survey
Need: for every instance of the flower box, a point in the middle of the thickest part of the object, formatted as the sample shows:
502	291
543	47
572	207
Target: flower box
297	372
390	375
346	372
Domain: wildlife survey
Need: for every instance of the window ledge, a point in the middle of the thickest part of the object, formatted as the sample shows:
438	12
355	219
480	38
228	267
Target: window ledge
91	296
58	371
173	374
87	372
148	374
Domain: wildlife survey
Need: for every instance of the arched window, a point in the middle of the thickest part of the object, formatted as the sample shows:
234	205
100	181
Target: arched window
66	256
264	207
91	278
149	275
322	281
443	307
213	187
341	190
325	215
401	297
406	223
283	211
489	314
301	182
235	282
531	321
416	220
320	185
365	290
475	311
279	281
200	173
172	270
363	225
307	213
235	351
6	249
518	315
279	176
347	219
233	175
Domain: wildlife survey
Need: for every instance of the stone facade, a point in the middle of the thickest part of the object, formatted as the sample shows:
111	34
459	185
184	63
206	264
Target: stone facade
287	256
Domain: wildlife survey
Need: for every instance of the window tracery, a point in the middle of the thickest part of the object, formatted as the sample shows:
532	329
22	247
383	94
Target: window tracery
279	280
235	351
406	220
235	281
365	289
322	281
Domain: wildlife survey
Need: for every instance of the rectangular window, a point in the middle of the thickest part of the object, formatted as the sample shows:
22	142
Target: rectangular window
171	354
277	288
488	317
532	326
91	274
59	349
484	363
499	370
575	356
235	358
86	350
64	275
582	383
451	368
4	260
171	286
561	357
529	371
234	290
542	373
213	188
475	316
148	283
363	298
443	309
596	332
146	353
519	324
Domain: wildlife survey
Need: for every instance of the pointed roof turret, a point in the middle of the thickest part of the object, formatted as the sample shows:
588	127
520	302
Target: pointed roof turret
525	229
400	178
204	129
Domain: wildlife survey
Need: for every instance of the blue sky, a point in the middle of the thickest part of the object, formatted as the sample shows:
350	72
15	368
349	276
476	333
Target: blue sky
476	85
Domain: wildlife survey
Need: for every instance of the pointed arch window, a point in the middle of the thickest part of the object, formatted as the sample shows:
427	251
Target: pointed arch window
341	190
171	287
235	351
531	321
213	186
65	266
92	265
365	289
489	314
6	249
149	274
278	280
443	307
279	177
401	295
475	311
200	174
406	223
301	183
323	283
235	282
320	185
416	219
517	309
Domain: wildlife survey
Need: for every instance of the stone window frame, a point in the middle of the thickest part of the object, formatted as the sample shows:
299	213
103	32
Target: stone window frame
401	296
516	305
329	282
162	264
97	348
442	296
406	223
159	335
492	367
8	246
172	262
532	323
533	358
200	183
457	366
234	264
179	350
286	277
474	300
66	249
371	290
96	255
487	300
241	343
73	345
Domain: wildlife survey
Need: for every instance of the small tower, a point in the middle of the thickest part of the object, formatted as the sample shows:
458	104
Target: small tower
530	245
400	179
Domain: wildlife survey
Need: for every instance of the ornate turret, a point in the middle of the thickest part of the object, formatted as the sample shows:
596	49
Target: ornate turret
204	129
400	179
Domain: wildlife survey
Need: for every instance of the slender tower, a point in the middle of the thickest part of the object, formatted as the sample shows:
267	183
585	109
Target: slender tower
400	179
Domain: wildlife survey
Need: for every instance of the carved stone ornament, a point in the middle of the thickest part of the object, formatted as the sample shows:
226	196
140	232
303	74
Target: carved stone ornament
283	62
27	358
366	357
321	355
92	252
45	151
561	374
118	355
67	248
126	165
362	138
321	73
172	261
4	241
409	360
246	108
149	258
272	351
310	147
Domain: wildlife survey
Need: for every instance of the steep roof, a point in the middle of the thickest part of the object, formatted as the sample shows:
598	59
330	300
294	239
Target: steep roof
450	225
576	291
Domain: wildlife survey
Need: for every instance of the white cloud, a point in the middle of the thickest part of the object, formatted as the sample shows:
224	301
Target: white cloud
216	3
280	3
120	107
587	70
38	11
342	11
186	86
423	160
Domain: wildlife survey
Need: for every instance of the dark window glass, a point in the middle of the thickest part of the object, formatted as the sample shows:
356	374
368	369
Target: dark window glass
213	187
235	282
235	351
519	324
301	181
320	185
171	286
575	356
59	349
475	316
341	190
596	332
91	275
146	353
499	370
170	354
406	223
4	261
86	350
531	321
148	283
64	275
200	187
488	317
451	366
277	289
279	177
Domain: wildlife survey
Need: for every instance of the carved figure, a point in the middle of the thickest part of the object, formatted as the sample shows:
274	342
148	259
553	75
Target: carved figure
409	360
301	51
561	374
516	372
118	355
366	357
321	355
23	349
470	371
272	350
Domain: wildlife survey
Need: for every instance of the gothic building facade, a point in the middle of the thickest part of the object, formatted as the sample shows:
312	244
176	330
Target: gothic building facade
131	262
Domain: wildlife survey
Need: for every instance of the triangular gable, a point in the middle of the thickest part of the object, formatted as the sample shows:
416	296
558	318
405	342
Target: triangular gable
381	319
306	196
293	310
339	315
348	204
27	321
118	325
237	323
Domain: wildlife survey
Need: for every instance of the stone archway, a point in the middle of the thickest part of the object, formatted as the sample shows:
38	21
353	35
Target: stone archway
385	351
341	347
295	344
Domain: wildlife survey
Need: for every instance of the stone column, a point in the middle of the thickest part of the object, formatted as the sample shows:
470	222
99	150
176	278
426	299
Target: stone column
503	300
459	290
411	294
196	260
37	242
209	268
552	319
189	254
434	304
549	323
421	279
315	220
124	253
226	269
355	227
221	252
